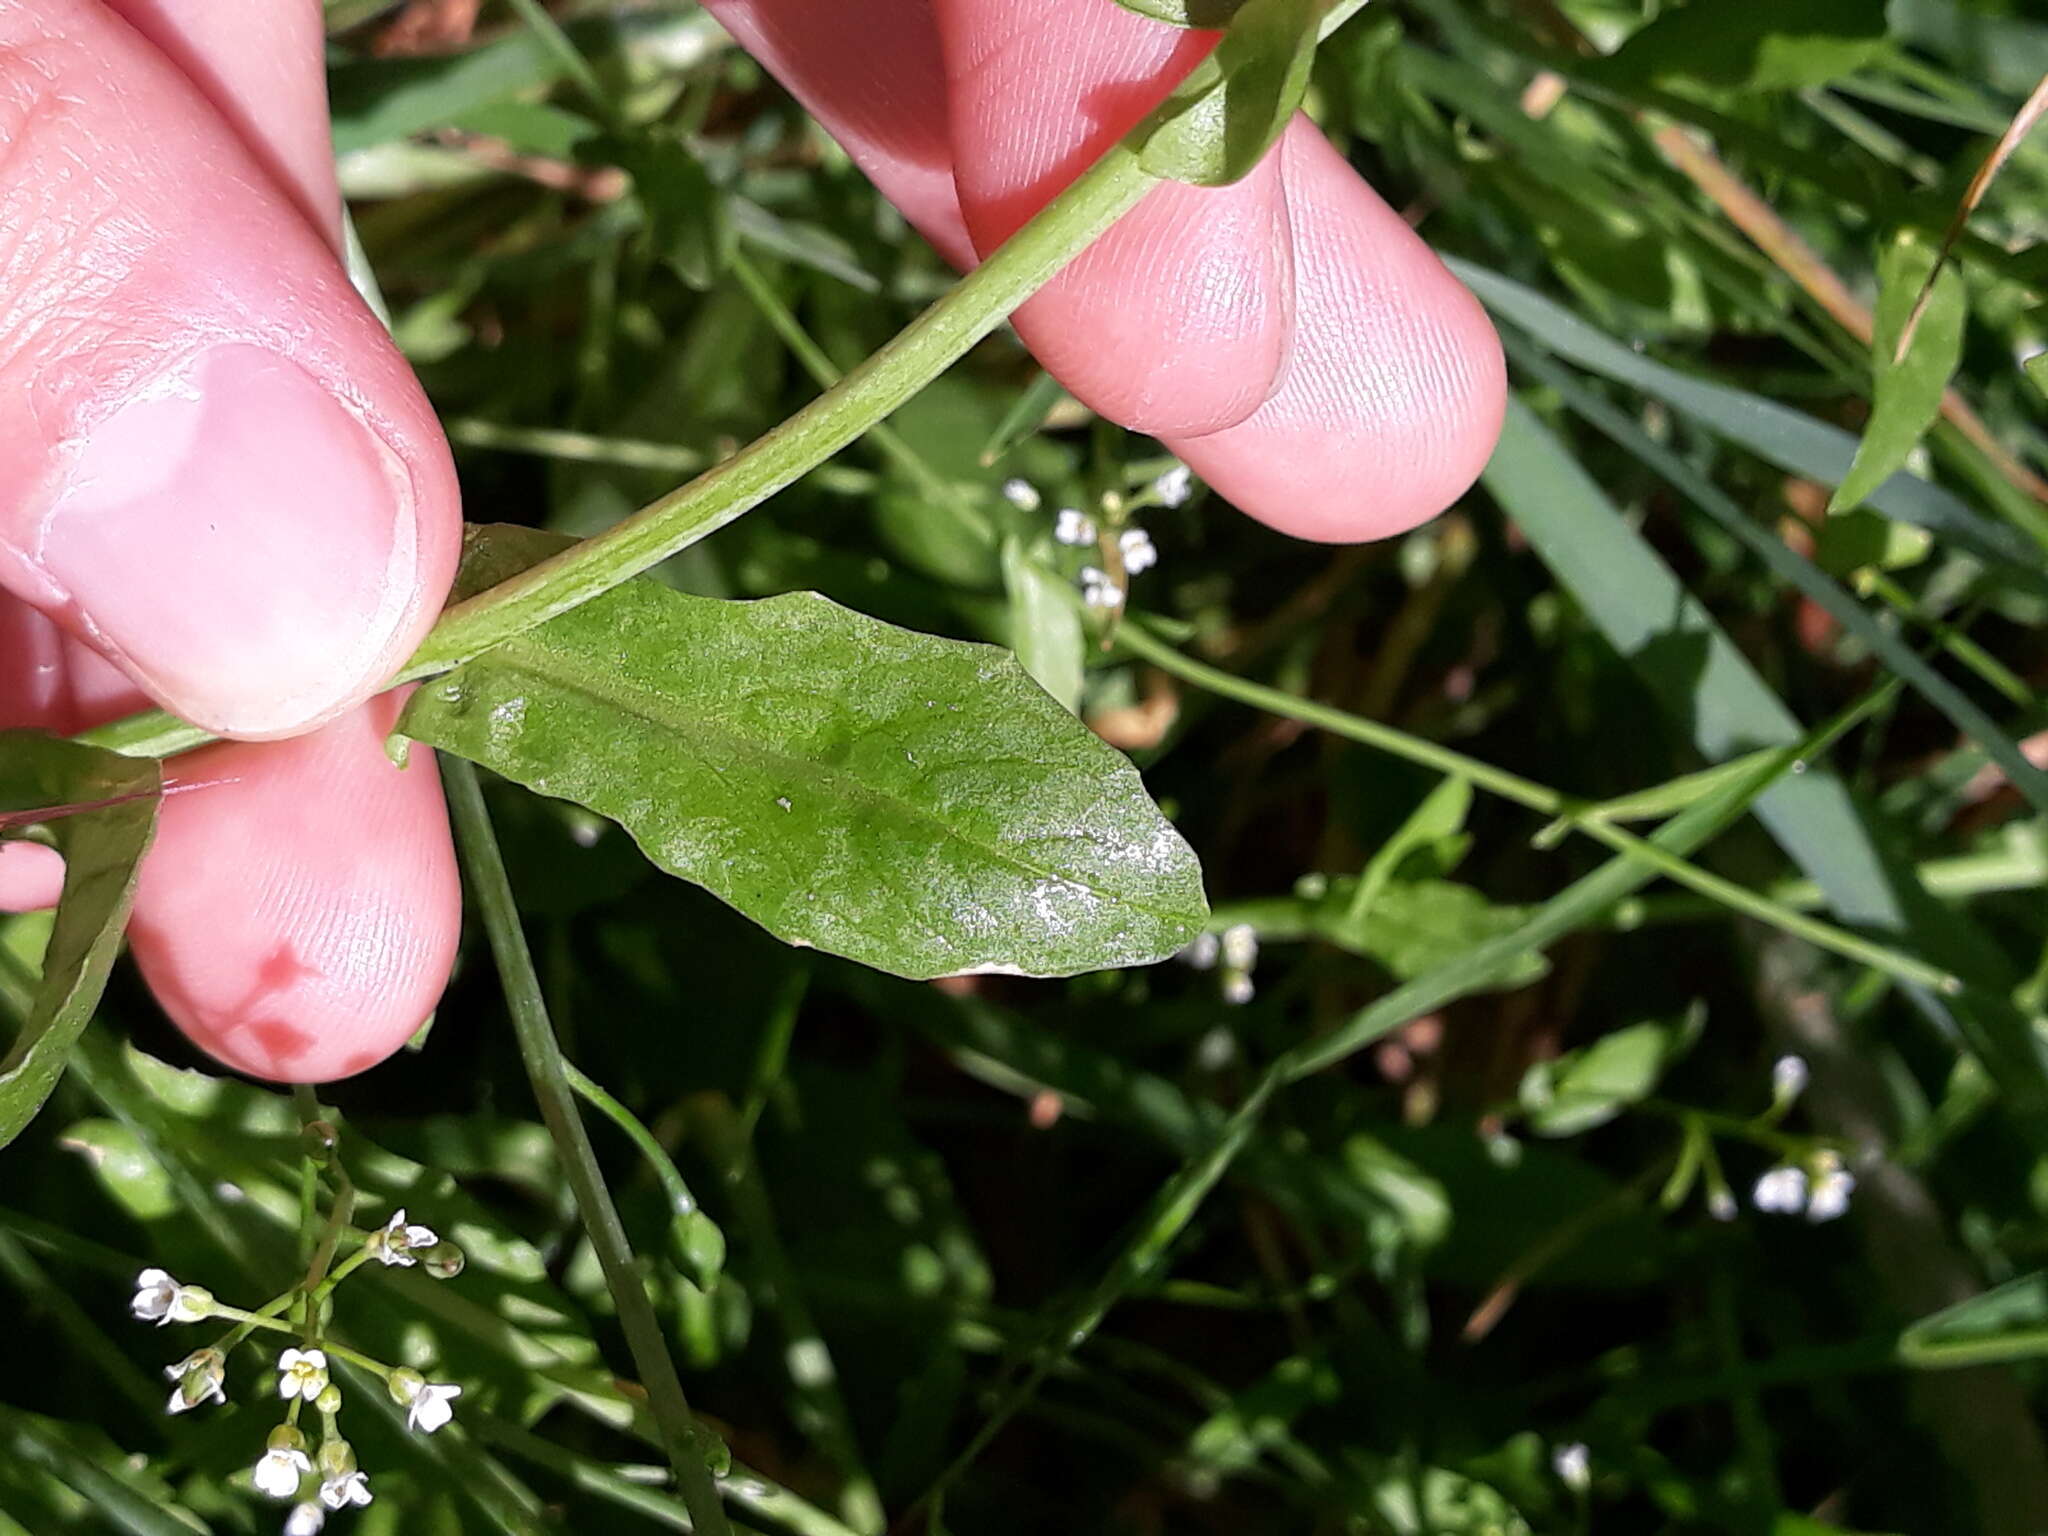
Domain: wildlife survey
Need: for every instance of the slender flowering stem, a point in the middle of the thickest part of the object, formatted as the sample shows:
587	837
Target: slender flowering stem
543	1057
1545	801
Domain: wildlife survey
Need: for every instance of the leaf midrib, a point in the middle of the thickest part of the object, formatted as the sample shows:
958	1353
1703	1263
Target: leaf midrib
629	697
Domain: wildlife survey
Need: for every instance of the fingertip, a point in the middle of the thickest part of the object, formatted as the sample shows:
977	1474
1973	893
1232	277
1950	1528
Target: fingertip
247	543
31	877
298	919
1392	398
1174	321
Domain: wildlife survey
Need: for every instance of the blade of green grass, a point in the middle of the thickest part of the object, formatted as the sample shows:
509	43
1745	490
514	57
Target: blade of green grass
1727	708
1773	432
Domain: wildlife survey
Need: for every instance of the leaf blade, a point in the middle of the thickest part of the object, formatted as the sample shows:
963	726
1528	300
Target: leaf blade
102	850
915	804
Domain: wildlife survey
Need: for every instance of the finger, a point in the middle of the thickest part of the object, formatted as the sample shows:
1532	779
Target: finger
213	463
261	66
299	920
1391	389
871	74
1176	321
1394	391
317	849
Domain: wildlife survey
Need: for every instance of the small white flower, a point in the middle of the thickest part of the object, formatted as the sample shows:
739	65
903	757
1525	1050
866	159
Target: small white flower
1021	494
1237	989
198	1377
1781	1189
1788	1078
394	1242
1074	526
159	1299
302	1373
1175	486
1832	1186
278	1473
1098	591
1721	1204
1201	951
344	1489
154	1293
1240	946
1573	1466
305	1520
1138	553
425	1402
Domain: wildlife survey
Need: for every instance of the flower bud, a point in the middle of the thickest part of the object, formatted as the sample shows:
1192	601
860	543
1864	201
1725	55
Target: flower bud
285	1438
337	1457
329	1400
443	1261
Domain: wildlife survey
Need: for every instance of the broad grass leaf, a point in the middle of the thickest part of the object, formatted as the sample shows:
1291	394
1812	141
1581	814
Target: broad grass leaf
102	850
1776	433
1908	390
1214	134
1704	684
916	804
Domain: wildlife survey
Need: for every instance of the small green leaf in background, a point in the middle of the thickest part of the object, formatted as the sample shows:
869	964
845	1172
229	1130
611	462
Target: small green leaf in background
686	211
1742	45
916	804
1860	540
1214	135
1045	626
2037	370
1908	391
1588	1087
2007	1322
1186	13
102	849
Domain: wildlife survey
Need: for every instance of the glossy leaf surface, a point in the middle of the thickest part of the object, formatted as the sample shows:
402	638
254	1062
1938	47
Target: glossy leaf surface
913	803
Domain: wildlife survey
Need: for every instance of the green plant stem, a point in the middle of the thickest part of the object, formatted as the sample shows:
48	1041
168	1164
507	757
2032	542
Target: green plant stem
919	353
1545	801
492	889
680	1200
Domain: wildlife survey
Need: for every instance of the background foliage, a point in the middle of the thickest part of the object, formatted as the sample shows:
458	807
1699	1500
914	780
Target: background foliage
1483	1223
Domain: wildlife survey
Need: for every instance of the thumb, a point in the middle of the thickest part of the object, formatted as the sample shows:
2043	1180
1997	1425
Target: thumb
213	464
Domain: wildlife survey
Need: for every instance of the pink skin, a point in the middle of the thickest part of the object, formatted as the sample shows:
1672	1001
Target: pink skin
215	468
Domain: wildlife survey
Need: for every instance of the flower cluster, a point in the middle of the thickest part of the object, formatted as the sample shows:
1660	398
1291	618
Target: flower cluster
1820	1189
327	1479
1124	549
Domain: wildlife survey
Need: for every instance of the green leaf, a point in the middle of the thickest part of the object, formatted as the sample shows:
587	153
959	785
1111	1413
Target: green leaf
1589	1087
687	218
1908	390
1781	436
1045	627
1213	135
1744	46
1186	13
102	848
913	803
1435	823
2008	1322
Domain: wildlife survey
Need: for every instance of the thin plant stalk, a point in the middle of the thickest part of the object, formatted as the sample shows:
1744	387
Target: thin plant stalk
492	889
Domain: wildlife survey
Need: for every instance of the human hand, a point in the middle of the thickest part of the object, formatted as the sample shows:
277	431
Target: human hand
227	481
